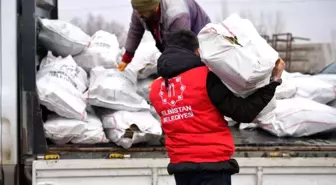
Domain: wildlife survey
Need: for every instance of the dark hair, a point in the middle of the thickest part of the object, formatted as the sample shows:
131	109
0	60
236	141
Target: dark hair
183	38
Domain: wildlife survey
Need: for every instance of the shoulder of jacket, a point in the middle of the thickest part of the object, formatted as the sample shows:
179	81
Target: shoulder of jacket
202	68
175	7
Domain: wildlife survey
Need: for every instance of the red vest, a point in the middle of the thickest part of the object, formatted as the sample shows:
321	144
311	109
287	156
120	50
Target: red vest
195	130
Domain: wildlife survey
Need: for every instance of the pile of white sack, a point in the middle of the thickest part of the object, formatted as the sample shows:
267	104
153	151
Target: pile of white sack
92	102
299	107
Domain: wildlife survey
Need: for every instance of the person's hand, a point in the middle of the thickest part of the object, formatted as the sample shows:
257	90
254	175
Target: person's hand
122	66
279	67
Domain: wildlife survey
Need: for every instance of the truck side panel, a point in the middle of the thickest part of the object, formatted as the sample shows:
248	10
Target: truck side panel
254	171
8	55
8	88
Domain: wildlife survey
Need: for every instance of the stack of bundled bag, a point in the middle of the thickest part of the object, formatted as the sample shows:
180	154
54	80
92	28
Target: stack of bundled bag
145	64
92	102
243	60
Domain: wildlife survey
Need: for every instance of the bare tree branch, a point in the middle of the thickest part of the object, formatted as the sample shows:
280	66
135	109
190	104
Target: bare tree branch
90	27
77	22
278	23
224	11
96	23
266	23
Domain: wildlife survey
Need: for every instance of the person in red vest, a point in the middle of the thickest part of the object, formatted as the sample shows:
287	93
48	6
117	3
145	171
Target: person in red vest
191	101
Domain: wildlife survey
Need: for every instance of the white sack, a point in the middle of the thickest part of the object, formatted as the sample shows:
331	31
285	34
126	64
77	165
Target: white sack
328	78
332	104
155	114
143	88
244	126
319	87
60	87
314	89
62	38
50	58
287	89
61	130
145	60
301	117
230	121
93	132
116	123
103	50
242	68
295	74
266	116
110	88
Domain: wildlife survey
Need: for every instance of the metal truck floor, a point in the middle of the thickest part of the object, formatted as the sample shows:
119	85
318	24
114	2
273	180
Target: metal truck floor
245	140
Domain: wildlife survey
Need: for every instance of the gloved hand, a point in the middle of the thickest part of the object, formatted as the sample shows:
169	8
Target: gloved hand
122	66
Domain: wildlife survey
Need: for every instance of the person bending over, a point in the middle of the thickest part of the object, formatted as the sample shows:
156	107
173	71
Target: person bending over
161	17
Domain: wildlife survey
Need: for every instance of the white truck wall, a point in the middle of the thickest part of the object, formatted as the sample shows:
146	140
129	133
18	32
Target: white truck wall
254	171
8	58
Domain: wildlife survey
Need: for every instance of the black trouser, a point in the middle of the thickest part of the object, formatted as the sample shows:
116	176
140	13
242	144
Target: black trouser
202	178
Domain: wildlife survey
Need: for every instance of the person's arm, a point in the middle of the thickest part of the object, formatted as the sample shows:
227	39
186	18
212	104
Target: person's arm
182	21
134	36
243	110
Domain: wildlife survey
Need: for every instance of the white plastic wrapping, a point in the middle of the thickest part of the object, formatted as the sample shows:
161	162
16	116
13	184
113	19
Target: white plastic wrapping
287	89
110	88
116	124
314	89
327	78
268	114
299	117
154	113
93	132
50	58
320	88
62	38
230	121
330	79
62	130
145	60
60	87
332	104
244	67
143	88
103	50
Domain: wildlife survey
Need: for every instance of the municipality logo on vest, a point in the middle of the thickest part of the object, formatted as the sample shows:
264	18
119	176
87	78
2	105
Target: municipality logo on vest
174	93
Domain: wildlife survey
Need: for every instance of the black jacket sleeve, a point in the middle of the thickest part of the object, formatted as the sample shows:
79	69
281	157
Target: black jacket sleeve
243	110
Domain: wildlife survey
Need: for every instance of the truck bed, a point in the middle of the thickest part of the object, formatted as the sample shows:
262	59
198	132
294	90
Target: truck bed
253	171
249	143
